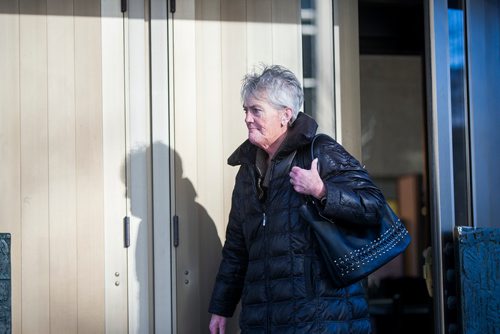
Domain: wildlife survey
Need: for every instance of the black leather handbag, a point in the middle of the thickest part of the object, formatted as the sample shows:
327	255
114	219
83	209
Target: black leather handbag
351	253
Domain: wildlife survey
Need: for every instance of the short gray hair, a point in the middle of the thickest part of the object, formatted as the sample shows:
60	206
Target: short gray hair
282	87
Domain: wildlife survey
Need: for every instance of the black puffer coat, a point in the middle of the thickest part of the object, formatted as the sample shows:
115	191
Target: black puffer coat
269	258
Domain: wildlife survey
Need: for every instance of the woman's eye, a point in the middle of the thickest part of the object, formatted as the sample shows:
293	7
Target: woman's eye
255	112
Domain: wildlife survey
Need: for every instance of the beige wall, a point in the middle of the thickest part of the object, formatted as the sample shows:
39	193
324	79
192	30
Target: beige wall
52	143
68	109
63	136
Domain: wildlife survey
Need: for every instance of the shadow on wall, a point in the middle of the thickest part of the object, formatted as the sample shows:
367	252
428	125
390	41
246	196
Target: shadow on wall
199	250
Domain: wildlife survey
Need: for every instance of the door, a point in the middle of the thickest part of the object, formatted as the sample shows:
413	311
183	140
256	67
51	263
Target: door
214	43
463	73
63	198
138	31
74	121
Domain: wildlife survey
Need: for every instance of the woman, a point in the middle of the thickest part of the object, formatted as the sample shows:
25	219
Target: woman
269	259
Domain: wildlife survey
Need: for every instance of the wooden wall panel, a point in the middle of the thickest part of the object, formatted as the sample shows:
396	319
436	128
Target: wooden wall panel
287	37
140	259
210	134
89	165
10	150
51	136
259	33
61	168
114	154
34	168
234	57
185	169
161	169
209	143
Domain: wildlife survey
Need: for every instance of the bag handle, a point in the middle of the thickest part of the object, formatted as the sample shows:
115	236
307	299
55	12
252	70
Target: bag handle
289	159
308	198
312	146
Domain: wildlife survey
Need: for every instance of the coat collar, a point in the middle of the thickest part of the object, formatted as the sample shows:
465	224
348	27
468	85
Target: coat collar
299	134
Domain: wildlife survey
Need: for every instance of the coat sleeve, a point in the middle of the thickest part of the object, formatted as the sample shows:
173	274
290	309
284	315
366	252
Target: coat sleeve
230	278
351	195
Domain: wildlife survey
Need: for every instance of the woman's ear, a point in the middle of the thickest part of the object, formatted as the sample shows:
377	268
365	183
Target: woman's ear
287	115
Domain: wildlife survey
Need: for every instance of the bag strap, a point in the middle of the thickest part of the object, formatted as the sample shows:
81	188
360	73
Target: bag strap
312	155
288	160
311	151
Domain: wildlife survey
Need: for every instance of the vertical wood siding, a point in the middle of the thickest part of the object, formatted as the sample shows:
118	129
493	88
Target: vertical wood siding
51	142
62	139
62	169
114	152
10	146
35	255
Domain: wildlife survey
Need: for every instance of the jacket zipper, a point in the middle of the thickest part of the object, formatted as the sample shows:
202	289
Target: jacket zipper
264	221
266	264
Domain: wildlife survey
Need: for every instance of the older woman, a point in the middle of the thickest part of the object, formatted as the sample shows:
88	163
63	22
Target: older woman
270	260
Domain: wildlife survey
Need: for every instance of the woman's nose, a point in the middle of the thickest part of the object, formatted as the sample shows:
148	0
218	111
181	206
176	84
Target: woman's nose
248	117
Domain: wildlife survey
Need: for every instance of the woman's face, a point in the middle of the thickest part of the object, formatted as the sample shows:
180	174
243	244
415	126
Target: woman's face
264	122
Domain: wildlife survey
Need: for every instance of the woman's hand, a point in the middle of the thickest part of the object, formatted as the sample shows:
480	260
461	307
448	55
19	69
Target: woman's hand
308	181
217	324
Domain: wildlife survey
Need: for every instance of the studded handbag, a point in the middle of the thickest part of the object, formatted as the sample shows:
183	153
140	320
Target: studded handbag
352	252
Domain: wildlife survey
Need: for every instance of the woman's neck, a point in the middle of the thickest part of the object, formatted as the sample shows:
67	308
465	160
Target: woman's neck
274	147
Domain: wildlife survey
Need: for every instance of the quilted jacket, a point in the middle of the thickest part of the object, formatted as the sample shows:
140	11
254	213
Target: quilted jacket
271	262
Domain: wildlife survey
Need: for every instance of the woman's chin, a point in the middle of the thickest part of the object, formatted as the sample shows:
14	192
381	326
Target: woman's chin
254	140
